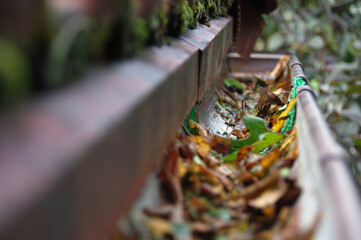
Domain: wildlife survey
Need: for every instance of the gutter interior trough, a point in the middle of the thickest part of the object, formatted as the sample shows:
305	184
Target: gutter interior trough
69	167
323	168
329	201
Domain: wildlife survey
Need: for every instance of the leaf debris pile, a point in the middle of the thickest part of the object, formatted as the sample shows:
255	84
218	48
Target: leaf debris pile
214	186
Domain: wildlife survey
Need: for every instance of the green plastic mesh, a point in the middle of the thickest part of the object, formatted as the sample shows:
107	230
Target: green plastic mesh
193	116
297	82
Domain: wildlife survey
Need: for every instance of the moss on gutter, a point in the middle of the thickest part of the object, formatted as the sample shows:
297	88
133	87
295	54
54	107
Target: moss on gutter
199	9
157	24
72	45
15	72
181	17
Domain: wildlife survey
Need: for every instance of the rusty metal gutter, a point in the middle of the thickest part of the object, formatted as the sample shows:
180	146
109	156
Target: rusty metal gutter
73	161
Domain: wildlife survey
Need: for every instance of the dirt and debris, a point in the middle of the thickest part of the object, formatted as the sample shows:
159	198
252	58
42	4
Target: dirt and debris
236	185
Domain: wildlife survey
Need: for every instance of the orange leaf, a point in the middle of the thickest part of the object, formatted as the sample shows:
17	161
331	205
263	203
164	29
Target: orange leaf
280	121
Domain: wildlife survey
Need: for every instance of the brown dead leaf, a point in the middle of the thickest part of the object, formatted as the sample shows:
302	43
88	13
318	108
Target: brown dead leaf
269	211
182	170
289	145
197	203
245	177
211	191
220	144
238	133
280	66
164	211
269	158
244	152
265	235
282	94
212	227
202	147
256	188
291	195
159	226
228	184
212	161
169	177
267	99
201	130
231	95
269	197
225	170
235	204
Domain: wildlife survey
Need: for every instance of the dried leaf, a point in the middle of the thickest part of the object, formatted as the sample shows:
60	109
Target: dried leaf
202	147
159	227
280	66
216	175
239	155
268	197
280	121
211	191
256	188
196	128
274	99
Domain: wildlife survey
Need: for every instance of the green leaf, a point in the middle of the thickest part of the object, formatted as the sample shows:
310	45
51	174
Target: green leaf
257	127
261	137
266	140
231	157
230	82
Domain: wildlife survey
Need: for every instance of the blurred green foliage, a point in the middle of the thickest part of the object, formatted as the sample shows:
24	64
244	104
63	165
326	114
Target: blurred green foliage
48	48
14	72
326	36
